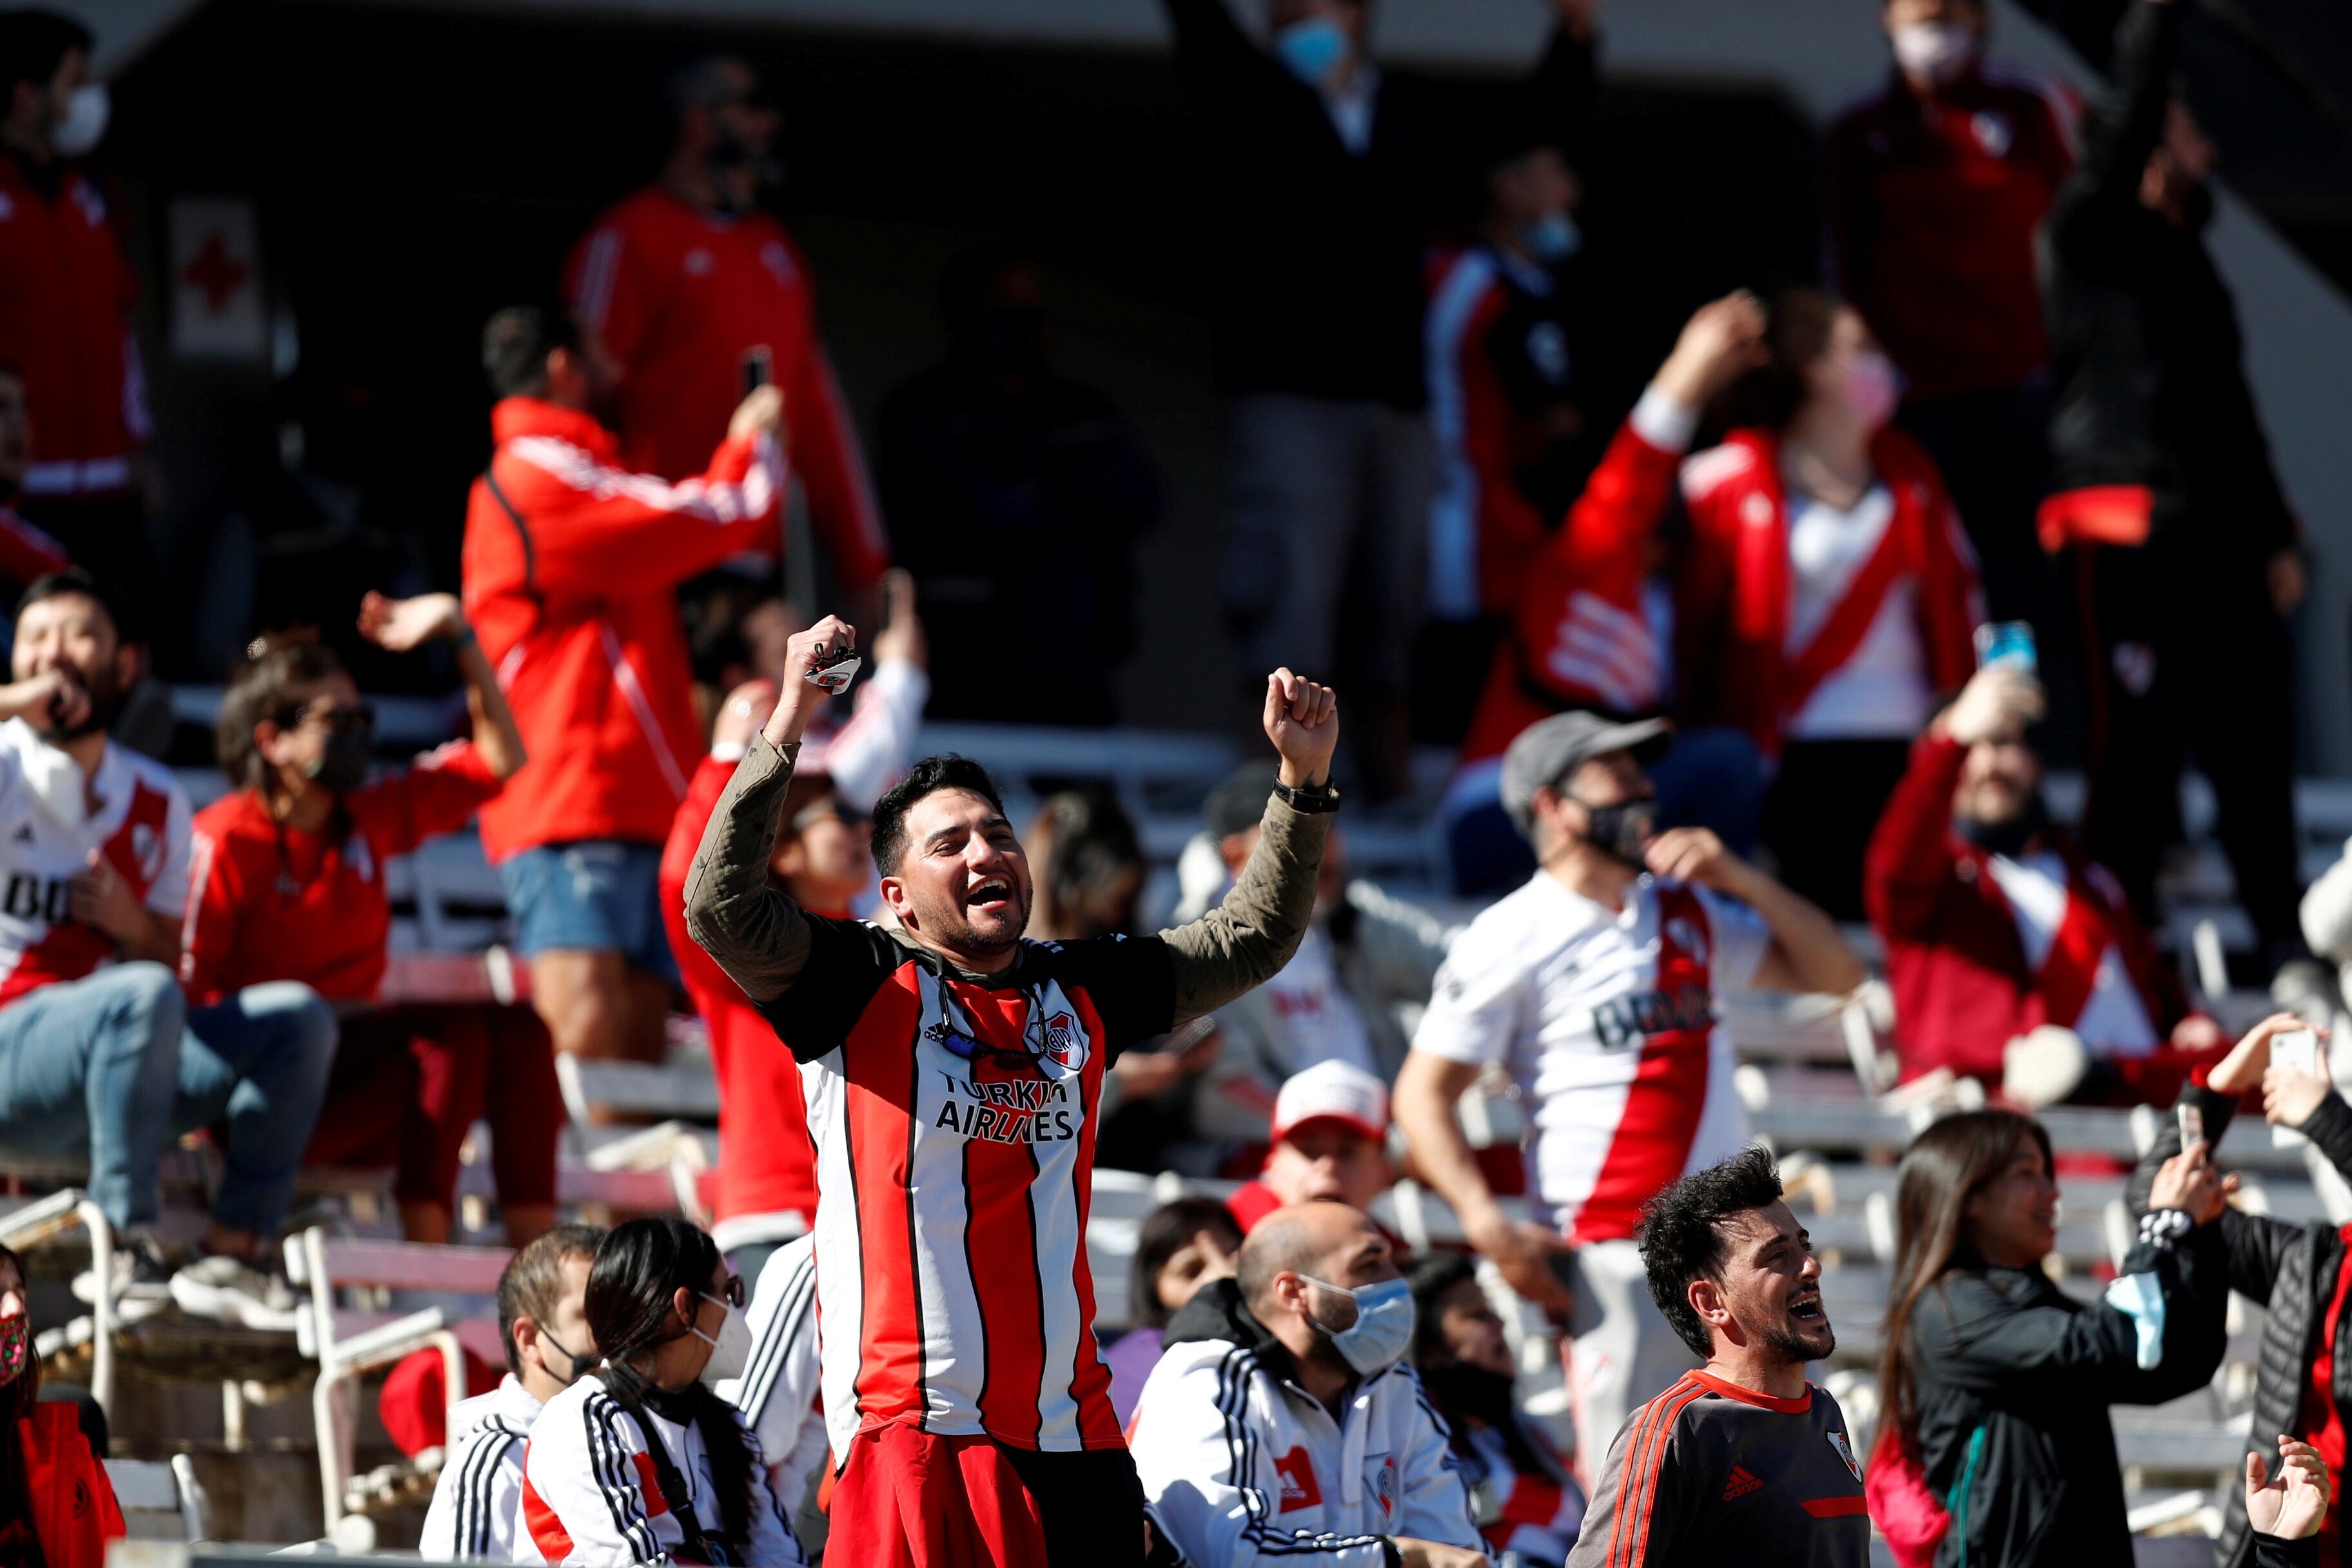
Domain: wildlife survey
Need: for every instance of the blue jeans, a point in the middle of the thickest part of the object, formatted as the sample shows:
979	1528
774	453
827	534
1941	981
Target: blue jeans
117	1065
597	895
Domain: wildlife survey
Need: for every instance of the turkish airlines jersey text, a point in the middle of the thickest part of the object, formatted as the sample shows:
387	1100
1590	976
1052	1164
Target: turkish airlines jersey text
958	1114
1606	1021
953	1119
140	822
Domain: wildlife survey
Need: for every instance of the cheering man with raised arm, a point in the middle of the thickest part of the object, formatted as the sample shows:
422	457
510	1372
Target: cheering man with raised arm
952	1071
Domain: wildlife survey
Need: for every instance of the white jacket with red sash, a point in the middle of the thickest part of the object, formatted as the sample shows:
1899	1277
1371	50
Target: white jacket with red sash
1956	959
1733	665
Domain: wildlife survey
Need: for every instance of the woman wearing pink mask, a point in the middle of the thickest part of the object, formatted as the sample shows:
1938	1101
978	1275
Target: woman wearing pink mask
57	1507
1826	593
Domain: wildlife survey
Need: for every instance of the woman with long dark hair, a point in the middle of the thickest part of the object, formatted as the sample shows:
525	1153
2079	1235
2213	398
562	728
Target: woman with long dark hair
1827	592
1995	1384
57	1507
288	884
639	1461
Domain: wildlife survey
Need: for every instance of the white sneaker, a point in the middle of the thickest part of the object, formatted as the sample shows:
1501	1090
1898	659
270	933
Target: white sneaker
138	1277
230	1291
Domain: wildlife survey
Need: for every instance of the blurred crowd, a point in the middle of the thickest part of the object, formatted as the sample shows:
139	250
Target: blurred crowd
1750	682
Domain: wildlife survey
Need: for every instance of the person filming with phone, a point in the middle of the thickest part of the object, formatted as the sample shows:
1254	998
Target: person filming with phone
2301	1274
2013	956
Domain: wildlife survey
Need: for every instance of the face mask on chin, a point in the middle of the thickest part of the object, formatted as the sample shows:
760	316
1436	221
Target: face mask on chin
580	1365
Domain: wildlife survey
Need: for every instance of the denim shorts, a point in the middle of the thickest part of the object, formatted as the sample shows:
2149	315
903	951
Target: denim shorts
595	894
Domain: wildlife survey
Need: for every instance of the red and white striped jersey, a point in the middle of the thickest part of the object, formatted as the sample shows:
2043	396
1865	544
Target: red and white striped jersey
954	1126
48	826
1606	1021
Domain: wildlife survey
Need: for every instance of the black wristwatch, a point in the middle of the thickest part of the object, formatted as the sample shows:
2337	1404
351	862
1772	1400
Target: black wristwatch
1311	799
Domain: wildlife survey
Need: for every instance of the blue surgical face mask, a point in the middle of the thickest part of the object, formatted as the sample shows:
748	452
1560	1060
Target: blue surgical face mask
1382	1330
1310	48
1552	238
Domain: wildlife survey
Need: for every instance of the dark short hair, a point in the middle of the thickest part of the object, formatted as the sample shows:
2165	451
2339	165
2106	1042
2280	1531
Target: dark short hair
1681	1233
73	582
516	341
271	687
1798	322
1163	1232
33	43
927	777
532	1286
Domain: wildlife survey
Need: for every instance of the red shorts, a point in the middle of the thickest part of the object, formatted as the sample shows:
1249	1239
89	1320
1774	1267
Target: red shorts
908	1499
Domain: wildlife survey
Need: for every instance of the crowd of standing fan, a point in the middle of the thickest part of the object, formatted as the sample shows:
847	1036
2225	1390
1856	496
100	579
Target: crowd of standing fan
1739	691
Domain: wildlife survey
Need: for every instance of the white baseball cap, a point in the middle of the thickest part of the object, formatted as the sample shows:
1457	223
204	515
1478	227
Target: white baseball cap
1336	1091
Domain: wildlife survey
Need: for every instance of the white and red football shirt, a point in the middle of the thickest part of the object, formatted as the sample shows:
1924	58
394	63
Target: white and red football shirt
1606	1021
954	1127
50	820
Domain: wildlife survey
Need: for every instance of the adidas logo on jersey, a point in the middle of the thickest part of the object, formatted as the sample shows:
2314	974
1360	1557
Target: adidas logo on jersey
1740	1484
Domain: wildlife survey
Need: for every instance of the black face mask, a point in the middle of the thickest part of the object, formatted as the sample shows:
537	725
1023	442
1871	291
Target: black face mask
343	762
2008	838
581	1365
1472	1391
1621	830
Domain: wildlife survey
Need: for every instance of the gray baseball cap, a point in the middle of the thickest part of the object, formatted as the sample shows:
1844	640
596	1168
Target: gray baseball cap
1547	751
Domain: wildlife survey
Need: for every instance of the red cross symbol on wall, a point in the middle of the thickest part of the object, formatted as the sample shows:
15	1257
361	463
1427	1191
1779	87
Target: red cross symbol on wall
215	273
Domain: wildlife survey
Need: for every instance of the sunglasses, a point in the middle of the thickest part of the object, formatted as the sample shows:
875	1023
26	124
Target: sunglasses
733	1295
340	720
832	807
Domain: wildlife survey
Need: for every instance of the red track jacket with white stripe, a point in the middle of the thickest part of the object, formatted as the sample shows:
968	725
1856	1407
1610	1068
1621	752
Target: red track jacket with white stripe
1962	986
66	293
693	304
1731	612
1579	637
570	567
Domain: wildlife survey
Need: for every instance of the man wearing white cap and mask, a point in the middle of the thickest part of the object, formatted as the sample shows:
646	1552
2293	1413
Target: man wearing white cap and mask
1595	984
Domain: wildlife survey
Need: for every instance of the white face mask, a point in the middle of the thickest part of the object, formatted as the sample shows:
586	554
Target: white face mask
1934	52
730	1353
87	109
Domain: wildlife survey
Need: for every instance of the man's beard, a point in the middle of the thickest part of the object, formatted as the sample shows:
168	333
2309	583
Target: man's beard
950	926
1793	1347
2009	836
105	702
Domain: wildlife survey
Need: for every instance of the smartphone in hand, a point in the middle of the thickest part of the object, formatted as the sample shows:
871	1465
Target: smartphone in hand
2007	643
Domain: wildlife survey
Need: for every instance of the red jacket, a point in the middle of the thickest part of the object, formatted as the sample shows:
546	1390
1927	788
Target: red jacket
1953	956
767	1163
689	303
573	594
1731	611
74	1512
267	902
1579	635
1934	202
66	299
